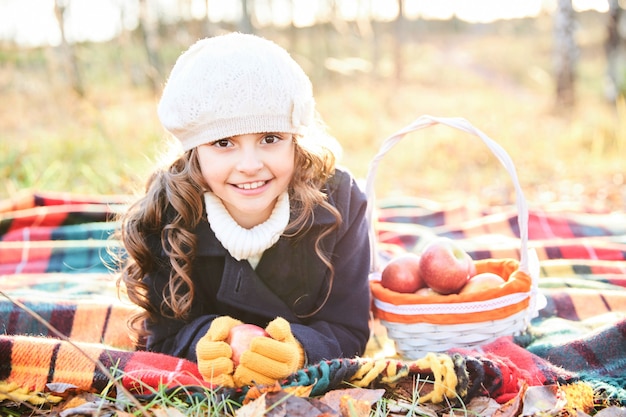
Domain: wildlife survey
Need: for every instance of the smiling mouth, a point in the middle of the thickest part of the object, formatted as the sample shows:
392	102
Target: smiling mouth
251	185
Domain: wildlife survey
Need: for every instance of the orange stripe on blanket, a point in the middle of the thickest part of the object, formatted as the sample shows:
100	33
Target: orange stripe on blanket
588	303
76	366
456	215
30	364
499	225
116	332
581	304
89	322
615	299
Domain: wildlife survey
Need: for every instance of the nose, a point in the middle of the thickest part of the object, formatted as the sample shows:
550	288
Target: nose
250	160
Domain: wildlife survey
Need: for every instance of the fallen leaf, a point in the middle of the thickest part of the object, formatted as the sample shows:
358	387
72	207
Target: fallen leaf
403	408
254	408
352	407
612	412
326	411
63	390
299	390
74	402
482	406
292	406
333	398
513	407
94	408
280	404
548	399
166	412
256	391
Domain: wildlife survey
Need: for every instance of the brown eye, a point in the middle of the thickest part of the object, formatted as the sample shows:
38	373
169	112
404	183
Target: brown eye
269	139
221	143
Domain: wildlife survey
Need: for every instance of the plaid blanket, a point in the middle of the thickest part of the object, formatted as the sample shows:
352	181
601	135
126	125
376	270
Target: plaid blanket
61	316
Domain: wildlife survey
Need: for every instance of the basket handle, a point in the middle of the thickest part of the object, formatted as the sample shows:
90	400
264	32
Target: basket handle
464	125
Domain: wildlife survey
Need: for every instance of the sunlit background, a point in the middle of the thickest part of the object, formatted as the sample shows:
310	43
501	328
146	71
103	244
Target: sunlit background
80	80
32	22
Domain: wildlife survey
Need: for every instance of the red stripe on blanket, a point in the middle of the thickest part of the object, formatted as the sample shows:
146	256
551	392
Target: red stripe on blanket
154	369
29	233
541	226
591	249
28	200
51	216
35	217
585	352
24	257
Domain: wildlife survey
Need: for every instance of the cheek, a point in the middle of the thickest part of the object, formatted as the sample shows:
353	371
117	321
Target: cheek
211	169
288	165
287	162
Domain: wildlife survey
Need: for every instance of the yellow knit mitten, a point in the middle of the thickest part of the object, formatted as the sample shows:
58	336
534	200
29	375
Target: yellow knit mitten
270	359
214	354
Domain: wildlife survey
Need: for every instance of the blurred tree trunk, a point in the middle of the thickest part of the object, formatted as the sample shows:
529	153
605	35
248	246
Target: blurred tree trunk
400	33
68	53
149	35
245	24
209	27
292	34
367	34
398	43
123	61
614	48
565	53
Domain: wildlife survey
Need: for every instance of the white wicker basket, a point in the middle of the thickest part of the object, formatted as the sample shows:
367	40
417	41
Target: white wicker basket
419	324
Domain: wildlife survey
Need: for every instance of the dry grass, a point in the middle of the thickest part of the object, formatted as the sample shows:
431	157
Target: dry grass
497	77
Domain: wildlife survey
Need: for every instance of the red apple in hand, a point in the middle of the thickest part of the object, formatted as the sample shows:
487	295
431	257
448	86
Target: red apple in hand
401	274
481	282
239	339
445	266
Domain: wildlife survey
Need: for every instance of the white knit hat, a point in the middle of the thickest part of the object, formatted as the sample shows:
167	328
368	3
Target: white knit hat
235	84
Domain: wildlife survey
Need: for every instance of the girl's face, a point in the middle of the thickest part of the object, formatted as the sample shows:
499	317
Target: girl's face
248	173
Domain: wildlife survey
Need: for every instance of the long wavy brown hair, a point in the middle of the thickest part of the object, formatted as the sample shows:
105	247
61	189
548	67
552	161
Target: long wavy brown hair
172	207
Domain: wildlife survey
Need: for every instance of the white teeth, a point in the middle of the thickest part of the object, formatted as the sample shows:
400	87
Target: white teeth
251	185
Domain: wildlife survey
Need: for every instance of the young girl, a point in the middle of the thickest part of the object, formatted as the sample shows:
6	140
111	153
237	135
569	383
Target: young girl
252	224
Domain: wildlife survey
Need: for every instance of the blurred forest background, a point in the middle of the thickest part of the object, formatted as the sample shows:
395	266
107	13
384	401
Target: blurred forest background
80	115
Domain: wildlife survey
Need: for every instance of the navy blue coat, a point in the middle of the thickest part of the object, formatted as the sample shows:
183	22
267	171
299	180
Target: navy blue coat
289	281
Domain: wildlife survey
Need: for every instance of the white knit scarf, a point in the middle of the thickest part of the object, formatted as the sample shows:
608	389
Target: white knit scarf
244	243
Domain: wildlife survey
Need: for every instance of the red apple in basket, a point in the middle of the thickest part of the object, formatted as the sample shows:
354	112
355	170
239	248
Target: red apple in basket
445	266
239	339
401	274
482	282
